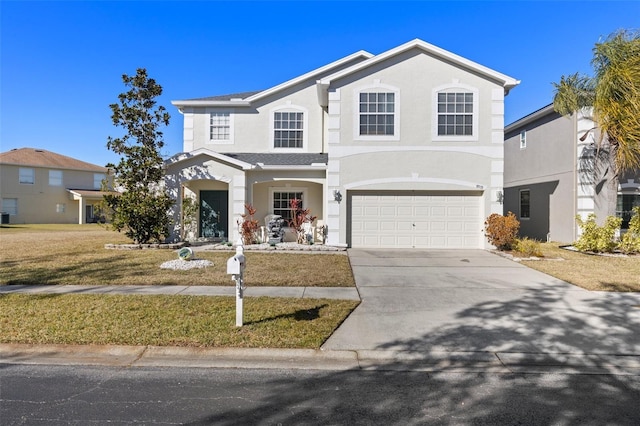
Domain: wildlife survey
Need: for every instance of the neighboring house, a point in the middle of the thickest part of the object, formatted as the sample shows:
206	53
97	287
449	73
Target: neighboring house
549	176
38	186
401	149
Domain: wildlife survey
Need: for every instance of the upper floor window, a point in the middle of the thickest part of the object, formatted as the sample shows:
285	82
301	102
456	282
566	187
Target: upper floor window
219	126
377	113
455	114
26	175
288	129
97	180
55	177
455	117
523	139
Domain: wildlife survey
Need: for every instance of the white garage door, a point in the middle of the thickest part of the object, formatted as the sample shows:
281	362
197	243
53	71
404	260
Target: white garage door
416	221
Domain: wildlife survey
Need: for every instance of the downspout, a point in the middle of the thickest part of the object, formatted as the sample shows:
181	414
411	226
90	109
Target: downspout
575	175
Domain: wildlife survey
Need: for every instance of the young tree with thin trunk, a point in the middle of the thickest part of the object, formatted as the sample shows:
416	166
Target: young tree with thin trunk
141	207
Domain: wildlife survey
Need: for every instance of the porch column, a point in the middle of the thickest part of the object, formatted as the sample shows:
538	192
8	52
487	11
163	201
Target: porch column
81	212
238	198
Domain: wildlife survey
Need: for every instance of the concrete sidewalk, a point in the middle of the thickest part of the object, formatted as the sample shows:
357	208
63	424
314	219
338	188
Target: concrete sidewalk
421	310
347	293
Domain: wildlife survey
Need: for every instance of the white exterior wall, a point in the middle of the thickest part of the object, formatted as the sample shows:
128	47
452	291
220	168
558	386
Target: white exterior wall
413	159
252	127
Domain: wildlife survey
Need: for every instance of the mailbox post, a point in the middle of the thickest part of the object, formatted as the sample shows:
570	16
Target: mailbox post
235	267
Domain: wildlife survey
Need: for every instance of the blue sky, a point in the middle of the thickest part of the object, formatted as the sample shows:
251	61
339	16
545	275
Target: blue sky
61	62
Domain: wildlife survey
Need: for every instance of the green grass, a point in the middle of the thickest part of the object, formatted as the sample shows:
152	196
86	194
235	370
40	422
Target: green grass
197	321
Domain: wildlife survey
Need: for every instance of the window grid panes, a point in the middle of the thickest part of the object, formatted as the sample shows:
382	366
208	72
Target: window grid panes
60	208
55	177
377	112
525	204
455	114
281	203
26	176
288	129
220	126
10	205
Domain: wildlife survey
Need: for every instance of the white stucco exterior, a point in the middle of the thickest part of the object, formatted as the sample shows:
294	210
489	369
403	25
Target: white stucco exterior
336	156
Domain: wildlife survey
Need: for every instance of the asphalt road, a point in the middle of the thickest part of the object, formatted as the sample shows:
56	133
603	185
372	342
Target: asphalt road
79	395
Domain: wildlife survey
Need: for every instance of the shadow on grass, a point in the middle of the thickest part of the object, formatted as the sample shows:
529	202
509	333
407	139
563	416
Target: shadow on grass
299	315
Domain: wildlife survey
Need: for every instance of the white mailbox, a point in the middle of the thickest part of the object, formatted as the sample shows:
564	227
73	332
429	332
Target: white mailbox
235	266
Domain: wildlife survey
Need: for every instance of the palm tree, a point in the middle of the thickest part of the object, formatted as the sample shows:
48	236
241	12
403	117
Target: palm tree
612	96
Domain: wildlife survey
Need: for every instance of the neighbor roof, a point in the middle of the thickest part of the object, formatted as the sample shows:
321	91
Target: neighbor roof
42	158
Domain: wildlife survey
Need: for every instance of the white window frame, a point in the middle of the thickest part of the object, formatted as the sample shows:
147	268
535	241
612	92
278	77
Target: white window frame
273	190
27	176
455	88
97	180
520	204
523	139
289	107
376	87
60	208
55	177
230	113
10	205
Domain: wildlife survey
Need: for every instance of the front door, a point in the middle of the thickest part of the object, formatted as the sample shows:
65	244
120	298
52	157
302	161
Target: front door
214	214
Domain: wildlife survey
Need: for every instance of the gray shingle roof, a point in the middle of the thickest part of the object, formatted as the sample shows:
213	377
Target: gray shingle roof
276	159
228	97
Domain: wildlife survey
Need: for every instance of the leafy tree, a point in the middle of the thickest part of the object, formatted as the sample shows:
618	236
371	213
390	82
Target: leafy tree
141	208
613	93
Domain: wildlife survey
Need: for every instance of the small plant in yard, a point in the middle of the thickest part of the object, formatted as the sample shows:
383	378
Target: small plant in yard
502	231
630	241
249	226
597	239
528	247
300	217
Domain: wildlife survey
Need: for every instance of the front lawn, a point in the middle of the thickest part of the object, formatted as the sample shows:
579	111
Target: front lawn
200	321
75	254
592	272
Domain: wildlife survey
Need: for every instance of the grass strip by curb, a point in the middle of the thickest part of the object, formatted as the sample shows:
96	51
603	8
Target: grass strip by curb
197	321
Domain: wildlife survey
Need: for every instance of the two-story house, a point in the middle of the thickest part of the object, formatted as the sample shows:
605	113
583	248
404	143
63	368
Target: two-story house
401	149
39	186
551	176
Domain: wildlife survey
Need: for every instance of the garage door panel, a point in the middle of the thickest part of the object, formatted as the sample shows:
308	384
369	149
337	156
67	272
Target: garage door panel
420	221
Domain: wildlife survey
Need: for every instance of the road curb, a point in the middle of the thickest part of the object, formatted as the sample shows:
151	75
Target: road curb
312	359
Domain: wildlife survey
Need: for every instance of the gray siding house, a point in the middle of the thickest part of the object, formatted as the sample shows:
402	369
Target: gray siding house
549	176
400	149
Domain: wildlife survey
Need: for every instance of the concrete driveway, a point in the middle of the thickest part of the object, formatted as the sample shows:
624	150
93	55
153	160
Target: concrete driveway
435	301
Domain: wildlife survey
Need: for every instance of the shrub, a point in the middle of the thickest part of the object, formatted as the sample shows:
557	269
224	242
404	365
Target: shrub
501	231
249	226
300	217
528	247
598	239
630	242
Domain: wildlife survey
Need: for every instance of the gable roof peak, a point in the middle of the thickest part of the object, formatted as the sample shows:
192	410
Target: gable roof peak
507	82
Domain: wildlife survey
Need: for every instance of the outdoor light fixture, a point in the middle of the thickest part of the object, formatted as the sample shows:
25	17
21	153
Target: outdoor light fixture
337	195
584	137
499	196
